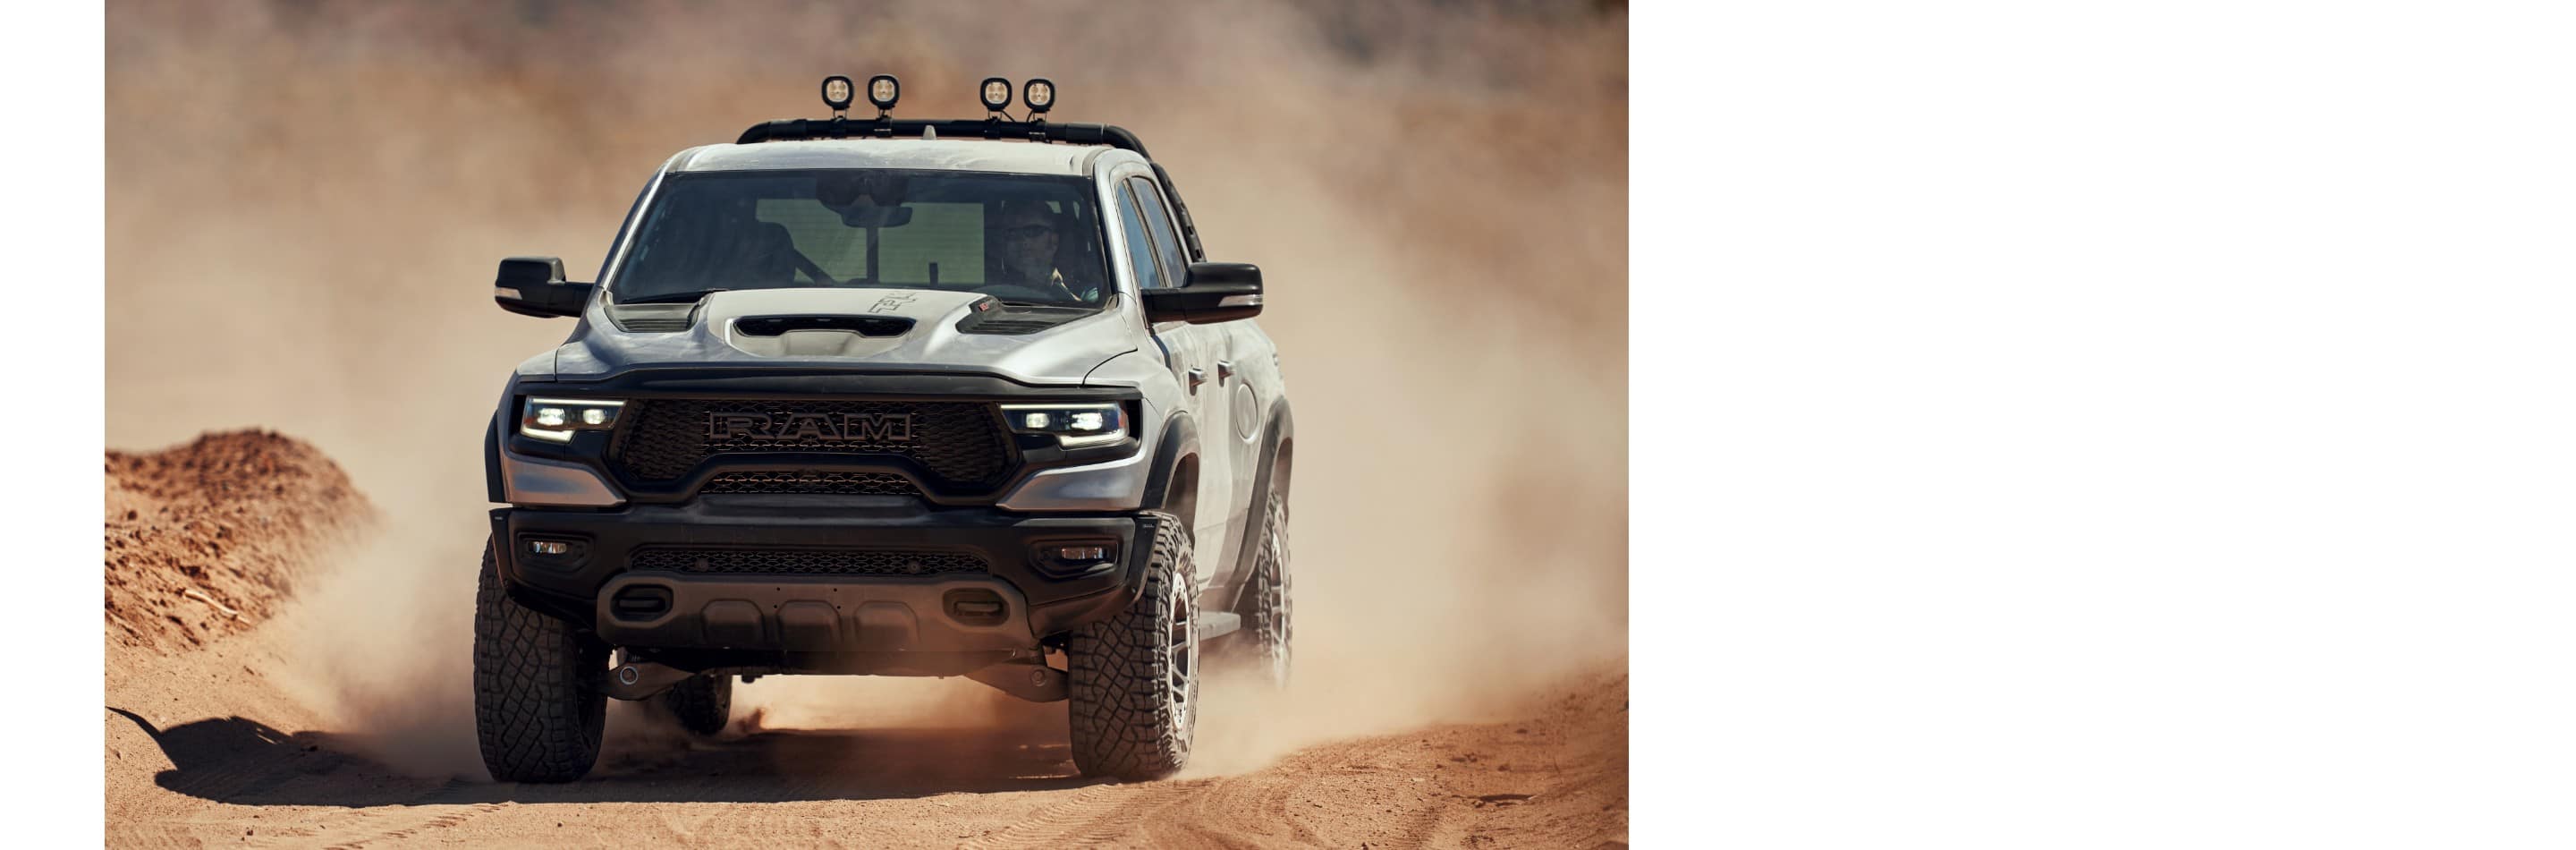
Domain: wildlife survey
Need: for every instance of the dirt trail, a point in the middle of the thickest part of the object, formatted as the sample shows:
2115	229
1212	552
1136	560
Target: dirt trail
203	749
209	741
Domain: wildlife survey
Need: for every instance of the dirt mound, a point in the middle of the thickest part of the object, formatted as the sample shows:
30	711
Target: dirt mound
206	539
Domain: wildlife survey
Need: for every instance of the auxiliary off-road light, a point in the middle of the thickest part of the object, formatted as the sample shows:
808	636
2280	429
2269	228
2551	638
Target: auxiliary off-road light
1065	559
882	90
1039	94
997	94
1072	424
837	92
554	419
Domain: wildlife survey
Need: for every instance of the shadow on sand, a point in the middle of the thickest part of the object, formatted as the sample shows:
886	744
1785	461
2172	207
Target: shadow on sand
241	761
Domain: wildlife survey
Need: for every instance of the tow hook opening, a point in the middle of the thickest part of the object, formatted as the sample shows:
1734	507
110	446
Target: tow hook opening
975	607
640	603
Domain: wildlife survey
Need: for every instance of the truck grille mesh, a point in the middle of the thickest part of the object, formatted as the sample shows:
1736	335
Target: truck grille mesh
812	481
961	444
748	560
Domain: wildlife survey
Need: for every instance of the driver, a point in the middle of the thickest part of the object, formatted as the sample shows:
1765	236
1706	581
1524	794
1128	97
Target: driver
1030	236
759	252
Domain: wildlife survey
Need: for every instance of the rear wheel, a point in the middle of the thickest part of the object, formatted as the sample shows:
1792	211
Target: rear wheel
1266	599
703	704
1132	683
538	713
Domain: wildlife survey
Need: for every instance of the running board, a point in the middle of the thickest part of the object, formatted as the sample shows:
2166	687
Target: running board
1216	624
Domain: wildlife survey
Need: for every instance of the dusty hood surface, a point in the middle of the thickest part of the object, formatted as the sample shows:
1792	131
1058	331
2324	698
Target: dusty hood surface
733	329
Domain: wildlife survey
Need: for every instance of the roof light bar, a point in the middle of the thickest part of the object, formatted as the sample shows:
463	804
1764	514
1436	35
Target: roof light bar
997	94
882	91
1039	94
836	93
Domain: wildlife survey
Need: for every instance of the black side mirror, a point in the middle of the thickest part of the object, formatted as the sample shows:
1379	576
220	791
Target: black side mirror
535	286
1212	292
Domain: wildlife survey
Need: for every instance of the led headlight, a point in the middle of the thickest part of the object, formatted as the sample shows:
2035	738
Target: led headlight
1039	94
554	419
882	91
1073	425
997	94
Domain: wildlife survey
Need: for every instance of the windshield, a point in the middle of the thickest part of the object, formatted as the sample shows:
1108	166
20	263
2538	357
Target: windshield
1024	239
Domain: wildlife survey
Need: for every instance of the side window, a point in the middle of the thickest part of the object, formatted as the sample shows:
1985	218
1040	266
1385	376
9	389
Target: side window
1167	244
1140	257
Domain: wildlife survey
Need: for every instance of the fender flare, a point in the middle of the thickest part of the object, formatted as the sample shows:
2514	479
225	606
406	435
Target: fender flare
492	489
1180	441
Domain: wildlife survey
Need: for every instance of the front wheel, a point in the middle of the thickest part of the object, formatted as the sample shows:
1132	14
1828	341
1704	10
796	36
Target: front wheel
538	714
1132	683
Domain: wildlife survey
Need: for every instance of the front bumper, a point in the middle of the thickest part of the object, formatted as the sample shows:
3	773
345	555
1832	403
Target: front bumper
1013	601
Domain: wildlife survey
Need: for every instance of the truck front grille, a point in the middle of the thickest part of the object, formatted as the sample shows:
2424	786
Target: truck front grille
960	445
773	560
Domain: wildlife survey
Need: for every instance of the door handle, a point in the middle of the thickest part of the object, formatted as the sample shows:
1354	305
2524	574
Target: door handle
1224	371
1197	376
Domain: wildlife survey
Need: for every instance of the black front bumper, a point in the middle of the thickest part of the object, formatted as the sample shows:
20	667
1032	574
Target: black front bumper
1015	601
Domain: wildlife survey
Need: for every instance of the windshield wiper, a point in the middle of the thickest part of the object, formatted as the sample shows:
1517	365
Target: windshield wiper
673	297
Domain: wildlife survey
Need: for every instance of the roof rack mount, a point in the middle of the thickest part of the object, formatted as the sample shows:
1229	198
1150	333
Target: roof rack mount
799	129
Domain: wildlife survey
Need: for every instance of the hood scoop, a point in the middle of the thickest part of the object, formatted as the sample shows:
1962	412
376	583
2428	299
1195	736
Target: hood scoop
817	336
868	326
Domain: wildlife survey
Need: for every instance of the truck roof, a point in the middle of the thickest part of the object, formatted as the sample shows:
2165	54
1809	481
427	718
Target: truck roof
984	155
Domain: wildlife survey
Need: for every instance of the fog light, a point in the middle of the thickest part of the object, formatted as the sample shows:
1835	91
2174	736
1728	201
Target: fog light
1081	553
549	547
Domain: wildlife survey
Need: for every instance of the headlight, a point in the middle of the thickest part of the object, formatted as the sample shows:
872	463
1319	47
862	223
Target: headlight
554	419
1072	424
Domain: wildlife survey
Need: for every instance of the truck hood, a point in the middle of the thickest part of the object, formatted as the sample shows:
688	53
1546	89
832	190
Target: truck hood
829	328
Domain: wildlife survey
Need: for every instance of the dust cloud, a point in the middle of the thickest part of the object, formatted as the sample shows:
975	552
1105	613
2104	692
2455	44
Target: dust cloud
305	199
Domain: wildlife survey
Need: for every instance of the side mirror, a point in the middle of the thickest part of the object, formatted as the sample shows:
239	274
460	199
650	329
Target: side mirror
1211	292
535	286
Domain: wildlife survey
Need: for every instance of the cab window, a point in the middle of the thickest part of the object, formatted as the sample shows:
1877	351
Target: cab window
1140	252
1167	244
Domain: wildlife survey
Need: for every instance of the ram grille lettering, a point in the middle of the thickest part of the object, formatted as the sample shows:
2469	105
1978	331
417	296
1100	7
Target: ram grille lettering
819	427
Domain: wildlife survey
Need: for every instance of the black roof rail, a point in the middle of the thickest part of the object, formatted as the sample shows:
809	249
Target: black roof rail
795	129
800	129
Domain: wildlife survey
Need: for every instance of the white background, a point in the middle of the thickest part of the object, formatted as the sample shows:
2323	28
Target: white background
2104	425
2057	425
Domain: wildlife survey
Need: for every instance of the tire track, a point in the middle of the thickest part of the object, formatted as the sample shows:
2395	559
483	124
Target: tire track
1095	816
438	809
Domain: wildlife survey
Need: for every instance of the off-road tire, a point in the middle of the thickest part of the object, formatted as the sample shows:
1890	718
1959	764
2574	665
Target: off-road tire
538	711
1131	689
703	703
1266	607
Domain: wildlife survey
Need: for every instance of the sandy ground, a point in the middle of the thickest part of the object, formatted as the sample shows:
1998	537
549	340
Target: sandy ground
202	750
206	744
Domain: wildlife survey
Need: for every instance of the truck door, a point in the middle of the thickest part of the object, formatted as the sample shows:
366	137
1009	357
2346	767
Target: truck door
1200	360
